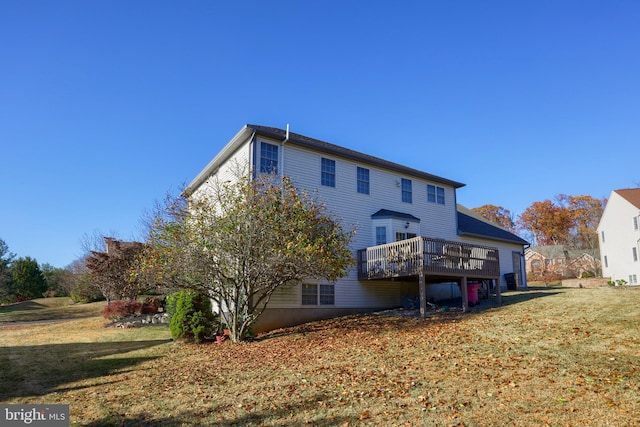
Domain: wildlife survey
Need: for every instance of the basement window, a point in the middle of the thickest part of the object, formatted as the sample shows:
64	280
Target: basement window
313	294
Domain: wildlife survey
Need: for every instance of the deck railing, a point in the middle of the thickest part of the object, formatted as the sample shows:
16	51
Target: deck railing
433	256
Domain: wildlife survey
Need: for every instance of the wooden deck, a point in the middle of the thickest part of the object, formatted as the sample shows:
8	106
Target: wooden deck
430	260
432	257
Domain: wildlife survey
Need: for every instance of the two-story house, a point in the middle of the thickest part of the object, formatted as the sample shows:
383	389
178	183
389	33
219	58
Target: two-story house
410	233
619	236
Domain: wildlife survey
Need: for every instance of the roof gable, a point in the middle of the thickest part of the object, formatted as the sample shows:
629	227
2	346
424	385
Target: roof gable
631	195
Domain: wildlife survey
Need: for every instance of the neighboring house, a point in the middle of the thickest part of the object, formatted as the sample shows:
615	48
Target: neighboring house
544	262
619	236
410	232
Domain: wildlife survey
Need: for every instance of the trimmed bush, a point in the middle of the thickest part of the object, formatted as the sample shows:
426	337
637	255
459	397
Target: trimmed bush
190	316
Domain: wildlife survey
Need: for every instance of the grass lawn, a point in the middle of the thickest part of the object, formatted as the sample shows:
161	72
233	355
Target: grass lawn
549	356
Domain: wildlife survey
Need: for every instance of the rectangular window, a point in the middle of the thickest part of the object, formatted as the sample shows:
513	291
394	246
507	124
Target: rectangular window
381	235
312	294
268	158
635	222
327	294
435	194
602	235
606	263
328	175
404	236
633	278
406	191
309	294
362	176
635	254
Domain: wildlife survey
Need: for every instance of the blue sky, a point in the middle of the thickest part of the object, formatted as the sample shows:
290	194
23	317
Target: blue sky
107	105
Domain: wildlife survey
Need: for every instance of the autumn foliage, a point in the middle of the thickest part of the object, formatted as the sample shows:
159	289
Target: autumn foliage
239	241
566	220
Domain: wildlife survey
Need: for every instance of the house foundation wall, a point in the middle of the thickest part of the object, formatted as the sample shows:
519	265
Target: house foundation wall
275	318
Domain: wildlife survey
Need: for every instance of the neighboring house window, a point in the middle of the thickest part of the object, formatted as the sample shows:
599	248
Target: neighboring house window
312	294
406	191
404	236
362	176
328	177
606	263
633	278
535	264
435	194
635	254
635	223
381	235
602	235
268	158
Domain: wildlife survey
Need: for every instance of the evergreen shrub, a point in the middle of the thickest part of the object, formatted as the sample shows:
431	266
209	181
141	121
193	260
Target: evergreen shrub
190	316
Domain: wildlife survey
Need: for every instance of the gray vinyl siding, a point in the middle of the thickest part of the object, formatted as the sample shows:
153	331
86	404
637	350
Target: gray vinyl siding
228	171
355	209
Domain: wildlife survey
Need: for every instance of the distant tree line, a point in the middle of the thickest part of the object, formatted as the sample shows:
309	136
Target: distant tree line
569	221
23	278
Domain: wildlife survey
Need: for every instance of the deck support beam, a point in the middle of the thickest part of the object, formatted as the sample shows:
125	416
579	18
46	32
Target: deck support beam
464	294
498	291
423	294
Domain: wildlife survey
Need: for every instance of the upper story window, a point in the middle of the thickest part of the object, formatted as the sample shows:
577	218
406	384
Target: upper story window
606	262
602	235
634	251
406	191
635	223
328	172
362	176
435	194
268	158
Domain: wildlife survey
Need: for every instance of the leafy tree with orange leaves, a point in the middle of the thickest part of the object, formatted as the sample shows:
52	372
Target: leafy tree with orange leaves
585	212
498	215
548	223
569	220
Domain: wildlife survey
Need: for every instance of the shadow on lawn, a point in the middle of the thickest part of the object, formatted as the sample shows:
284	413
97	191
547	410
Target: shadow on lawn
22	306
41	369
522	296
210	415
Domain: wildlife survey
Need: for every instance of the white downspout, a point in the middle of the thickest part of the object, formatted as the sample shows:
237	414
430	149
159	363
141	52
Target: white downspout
284	142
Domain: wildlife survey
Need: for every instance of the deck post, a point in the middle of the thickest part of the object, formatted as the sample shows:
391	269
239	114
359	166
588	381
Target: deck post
423	294
465	295
498	291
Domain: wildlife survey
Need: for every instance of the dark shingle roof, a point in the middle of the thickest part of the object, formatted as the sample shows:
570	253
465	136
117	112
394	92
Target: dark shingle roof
315	144
386	213
471	225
